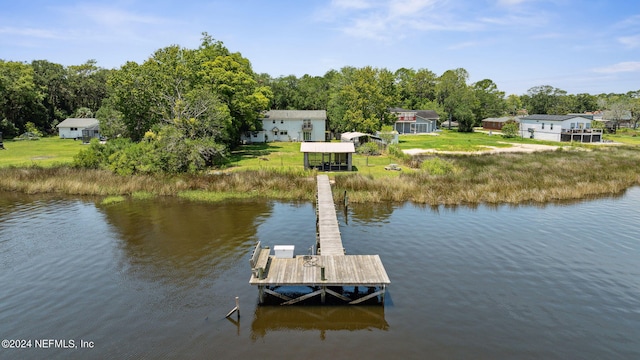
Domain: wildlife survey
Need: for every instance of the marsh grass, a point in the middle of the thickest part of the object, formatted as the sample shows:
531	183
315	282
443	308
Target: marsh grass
143	195
112	200
275	171
504	178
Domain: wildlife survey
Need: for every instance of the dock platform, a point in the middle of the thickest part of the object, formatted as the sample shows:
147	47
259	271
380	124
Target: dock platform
329	269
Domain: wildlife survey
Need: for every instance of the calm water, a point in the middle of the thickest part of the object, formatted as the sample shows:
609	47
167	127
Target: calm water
154	279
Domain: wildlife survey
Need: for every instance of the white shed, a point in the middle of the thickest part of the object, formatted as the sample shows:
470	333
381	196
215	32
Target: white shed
71	128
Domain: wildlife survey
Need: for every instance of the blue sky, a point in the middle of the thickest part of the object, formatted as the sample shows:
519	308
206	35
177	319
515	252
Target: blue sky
577	46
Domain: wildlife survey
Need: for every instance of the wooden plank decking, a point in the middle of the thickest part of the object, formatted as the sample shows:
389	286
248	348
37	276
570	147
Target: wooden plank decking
329	238
342	270
329	268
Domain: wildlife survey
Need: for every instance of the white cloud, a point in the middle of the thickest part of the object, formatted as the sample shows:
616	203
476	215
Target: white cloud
630	41
628	66
29	32
512	2
464	45
394	19
111	16
351	4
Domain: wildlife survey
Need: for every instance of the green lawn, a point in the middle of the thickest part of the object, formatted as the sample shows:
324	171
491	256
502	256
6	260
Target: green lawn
624	136
51	151
286	156
48	151
447	140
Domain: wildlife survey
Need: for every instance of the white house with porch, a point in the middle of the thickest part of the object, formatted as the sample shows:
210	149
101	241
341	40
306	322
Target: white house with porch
290	125
559	128
71	128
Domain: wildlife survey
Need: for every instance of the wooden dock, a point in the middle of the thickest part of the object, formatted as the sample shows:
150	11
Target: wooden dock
328	271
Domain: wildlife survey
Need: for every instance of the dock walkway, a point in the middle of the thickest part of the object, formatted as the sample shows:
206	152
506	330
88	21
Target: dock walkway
329	268
329	240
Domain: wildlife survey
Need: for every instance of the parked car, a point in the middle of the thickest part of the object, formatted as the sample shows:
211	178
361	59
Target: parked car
393	167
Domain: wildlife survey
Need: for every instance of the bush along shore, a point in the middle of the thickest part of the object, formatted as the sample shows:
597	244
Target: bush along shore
564	174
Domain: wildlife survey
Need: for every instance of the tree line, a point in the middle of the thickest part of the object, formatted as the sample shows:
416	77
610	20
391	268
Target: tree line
184	109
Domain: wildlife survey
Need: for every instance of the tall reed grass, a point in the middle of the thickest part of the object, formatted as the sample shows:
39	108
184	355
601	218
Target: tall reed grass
503	178
446	179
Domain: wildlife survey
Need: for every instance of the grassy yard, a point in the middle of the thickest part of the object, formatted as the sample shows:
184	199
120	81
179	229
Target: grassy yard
447	140
625	136
275	171
287	156
46	152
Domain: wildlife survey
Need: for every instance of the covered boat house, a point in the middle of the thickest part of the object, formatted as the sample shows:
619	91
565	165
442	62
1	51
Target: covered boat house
327	156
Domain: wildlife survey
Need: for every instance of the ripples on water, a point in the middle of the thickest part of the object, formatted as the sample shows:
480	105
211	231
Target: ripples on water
155	279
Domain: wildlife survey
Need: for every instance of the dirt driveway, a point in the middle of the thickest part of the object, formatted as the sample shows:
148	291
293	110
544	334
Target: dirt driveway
515	148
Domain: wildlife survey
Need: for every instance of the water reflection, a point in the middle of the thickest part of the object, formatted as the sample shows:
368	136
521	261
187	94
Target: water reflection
154	279
169	239
322	319
366	213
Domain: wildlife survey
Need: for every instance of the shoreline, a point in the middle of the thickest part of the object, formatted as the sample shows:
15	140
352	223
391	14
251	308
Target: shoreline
501	178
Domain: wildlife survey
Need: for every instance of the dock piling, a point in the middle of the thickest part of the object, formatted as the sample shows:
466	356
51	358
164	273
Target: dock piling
235	309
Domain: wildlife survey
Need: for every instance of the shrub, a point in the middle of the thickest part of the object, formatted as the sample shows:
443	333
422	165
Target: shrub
370	148
395	151
438	166
510	129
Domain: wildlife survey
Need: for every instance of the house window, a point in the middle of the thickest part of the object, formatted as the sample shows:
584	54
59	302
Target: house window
306	136
542	126
74	129
551	127
281	121
283	132
274	121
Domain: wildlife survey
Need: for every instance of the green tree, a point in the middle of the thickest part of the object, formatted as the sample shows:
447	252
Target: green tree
132	94
53	82
513	104
545	99
416	89
87	84
456	98
111	121
490	101
83	112
20	98
360	99
387	134
232	79
510	129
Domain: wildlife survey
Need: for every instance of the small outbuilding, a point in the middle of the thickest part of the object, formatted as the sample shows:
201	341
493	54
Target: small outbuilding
496	123
328	156
72	128
358	138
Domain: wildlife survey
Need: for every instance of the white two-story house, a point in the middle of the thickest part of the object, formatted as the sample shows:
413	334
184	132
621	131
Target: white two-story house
559	128
290	125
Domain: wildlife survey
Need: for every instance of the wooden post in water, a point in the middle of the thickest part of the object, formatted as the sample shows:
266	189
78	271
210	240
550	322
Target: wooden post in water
235	309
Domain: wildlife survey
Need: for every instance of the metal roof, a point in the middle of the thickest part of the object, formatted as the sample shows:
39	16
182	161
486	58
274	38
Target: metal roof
327	147
77	122
551	117
501	119
296	114
425	114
